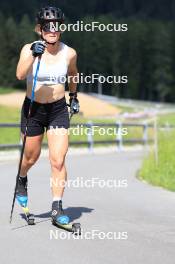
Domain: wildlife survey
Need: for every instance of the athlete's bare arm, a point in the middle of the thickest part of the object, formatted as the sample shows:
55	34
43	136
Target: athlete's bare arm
25	62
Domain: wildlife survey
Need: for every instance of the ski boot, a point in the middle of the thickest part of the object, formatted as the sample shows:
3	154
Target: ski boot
22	198
61	220
58	215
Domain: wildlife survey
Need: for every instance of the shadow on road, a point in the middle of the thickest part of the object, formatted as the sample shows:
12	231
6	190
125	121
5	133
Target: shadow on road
73	212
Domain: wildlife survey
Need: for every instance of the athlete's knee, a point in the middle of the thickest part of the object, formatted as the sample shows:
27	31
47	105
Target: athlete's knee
30	161
57	162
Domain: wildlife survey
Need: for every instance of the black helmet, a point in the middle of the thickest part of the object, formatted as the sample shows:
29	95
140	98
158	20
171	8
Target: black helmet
49	14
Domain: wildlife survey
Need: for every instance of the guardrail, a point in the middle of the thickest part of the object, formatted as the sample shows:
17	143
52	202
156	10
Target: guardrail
90	142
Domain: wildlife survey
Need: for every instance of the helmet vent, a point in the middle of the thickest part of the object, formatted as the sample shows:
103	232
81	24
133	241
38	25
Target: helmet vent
49	13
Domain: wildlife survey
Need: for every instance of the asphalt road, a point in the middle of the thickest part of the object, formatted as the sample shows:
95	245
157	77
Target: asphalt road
131	223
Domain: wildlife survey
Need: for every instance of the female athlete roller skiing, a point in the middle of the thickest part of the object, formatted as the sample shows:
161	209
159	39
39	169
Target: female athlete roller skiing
49	109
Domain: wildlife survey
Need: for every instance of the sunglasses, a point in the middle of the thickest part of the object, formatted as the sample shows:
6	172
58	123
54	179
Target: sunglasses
52	26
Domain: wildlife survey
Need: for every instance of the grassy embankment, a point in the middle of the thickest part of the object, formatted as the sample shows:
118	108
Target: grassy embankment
162	174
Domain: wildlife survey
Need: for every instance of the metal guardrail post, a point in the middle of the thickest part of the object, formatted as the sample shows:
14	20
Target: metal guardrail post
119	137
90	136
145	134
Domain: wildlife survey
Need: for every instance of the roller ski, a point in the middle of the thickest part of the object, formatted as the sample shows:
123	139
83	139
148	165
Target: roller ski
62	221
22	198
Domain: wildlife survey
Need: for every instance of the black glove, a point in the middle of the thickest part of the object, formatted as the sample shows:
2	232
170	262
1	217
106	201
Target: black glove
38	48
74	103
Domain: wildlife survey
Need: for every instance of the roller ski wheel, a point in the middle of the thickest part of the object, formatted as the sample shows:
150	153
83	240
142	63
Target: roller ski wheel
74	228
29	217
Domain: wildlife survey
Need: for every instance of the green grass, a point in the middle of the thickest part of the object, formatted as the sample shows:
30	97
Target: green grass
6	90
167	119
9	115
125	109
162	174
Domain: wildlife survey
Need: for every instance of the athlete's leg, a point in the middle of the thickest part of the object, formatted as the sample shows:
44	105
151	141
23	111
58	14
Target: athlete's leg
35	131
58	147
31	153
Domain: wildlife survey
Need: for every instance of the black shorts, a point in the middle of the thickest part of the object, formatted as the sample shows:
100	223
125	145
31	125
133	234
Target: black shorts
44	116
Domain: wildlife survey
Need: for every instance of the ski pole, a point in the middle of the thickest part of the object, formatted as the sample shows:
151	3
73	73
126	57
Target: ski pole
25	135
70	116
70	113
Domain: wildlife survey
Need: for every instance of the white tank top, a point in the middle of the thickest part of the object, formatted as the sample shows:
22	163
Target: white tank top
51	74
